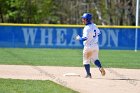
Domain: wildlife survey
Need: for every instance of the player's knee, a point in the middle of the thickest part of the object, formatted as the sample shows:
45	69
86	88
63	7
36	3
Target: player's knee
86	63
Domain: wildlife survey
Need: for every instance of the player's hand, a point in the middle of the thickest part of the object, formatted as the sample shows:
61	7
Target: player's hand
77	37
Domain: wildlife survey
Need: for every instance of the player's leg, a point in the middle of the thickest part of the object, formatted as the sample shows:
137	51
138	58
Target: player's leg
96	60
98	64
87	68
86	62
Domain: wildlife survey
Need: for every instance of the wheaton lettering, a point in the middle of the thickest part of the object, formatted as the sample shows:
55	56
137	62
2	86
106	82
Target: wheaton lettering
64	37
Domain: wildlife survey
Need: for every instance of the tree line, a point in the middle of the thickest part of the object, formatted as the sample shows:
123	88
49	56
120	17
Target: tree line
105	12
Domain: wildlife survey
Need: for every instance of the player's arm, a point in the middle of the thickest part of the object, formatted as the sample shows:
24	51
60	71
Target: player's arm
84	37
81	38
98	32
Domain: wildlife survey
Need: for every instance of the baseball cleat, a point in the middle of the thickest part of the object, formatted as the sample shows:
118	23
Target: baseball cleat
102	71
88	76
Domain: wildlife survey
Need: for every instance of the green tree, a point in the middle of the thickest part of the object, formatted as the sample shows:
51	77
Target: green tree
3	10
46	11
109	12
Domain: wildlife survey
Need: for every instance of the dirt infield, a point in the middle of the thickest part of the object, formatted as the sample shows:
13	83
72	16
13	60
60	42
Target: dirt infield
115	81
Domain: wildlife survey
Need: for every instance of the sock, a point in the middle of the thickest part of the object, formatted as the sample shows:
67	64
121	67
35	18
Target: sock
87	68
98	64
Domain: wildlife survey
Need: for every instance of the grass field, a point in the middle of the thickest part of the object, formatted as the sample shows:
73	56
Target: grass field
67	57
57	57
31	86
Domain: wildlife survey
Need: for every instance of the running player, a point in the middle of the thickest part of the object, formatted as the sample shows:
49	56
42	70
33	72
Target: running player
90	42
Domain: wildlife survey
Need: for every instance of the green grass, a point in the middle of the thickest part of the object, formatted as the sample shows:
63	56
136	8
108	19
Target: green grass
31	86
57	57
120	58
67	57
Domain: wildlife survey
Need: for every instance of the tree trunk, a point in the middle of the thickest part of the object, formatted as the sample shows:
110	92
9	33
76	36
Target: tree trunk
1	16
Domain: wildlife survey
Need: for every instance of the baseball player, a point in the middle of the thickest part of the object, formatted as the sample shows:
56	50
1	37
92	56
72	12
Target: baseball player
90	42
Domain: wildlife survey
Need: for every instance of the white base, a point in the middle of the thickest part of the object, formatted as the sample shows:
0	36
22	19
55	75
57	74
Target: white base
71	74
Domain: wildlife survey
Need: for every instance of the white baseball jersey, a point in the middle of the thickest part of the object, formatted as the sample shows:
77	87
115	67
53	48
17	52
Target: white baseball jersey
90	32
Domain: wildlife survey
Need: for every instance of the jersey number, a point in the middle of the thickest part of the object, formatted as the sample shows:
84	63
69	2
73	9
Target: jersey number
94	34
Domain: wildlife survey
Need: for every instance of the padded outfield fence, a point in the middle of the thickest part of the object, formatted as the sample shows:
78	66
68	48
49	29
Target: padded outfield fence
61	36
